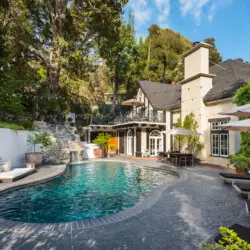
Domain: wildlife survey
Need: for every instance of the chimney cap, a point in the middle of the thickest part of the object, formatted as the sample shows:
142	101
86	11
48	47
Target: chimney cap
195	43
196	47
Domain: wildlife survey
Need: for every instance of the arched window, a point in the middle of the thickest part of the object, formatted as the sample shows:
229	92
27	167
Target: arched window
129	133
155	133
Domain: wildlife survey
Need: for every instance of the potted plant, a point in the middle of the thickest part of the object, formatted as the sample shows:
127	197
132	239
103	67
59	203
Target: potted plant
240	162
111	149
44	139
102	140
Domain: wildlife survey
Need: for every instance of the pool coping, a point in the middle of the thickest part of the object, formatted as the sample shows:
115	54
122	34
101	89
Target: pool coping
145	203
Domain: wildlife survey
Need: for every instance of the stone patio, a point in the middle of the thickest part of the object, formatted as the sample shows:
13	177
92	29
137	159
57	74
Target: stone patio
187	213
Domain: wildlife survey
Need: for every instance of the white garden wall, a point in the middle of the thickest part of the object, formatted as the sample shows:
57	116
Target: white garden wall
13	146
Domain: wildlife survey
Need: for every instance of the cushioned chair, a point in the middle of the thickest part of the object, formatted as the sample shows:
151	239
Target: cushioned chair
231	177
242	188
16	174
243	233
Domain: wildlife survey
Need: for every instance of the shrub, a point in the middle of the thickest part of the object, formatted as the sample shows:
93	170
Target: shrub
191	143
45	139
102	140
239	161
230	241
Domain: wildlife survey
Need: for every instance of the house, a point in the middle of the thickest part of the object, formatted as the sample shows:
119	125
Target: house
205	91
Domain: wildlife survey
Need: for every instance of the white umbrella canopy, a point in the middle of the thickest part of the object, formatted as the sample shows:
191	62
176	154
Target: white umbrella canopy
180	131
240	111
241	126
133	102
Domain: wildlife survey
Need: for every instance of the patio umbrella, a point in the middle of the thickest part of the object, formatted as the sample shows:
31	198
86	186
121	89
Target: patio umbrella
133	102
241	126
180	131
240	111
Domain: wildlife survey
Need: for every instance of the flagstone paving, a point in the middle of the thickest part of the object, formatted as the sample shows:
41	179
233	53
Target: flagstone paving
188	213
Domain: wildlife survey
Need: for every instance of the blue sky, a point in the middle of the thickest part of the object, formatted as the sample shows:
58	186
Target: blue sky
228	21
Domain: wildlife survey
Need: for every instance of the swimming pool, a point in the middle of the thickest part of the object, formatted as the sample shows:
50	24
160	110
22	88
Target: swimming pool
84	191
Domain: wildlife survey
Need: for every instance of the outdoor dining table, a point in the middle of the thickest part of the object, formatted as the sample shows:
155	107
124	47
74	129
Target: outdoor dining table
181	158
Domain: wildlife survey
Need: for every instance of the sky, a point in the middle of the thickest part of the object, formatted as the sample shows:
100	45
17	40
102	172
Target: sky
228	21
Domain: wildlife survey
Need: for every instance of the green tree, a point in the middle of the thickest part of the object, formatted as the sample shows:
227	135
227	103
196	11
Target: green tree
164	51
122	61
214	55
57	38
192	143
242	97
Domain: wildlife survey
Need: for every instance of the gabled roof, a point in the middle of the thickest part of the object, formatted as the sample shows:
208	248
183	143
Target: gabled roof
162	96
230	76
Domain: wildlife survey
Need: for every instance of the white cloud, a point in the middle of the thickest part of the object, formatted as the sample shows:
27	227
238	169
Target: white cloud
211	12
193	7
197	8
163	7
141	10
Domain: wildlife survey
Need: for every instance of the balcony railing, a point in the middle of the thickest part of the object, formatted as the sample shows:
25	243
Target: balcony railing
124	118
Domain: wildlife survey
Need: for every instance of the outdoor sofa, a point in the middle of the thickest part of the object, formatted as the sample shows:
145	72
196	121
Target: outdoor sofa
16	174
233	178
242	188
242	232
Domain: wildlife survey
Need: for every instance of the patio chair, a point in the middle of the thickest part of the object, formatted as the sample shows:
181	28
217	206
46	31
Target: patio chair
16	174
242	232
233	178
242	188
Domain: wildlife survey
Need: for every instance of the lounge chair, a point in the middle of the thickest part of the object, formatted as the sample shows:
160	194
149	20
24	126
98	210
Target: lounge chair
242	232
239	178
248	207
16	174
242	188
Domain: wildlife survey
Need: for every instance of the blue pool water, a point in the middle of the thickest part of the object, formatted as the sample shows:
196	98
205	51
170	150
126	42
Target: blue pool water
84	191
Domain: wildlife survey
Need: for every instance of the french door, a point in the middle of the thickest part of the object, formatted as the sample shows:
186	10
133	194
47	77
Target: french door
155	143
129	142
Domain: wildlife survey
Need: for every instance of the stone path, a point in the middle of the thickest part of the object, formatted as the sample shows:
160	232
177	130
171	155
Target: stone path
187	214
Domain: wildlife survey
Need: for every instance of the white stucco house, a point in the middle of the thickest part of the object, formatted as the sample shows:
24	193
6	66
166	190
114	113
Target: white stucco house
205	91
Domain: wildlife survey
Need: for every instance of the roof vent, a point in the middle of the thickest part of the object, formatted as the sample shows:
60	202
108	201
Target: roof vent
195	43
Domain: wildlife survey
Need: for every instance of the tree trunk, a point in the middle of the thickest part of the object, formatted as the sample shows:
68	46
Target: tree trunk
116	86
149	50
115	92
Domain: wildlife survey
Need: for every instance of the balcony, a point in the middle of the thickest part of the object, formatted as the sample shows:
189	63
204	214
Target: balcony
127	118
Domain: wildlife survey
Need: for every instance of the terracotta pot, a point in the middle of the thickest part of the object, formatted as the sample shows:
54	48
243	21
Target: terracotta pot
34	158
240	170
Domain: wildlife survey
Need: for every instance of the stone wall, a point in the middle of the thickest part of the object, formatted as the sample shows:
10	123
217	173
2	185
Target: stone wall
65	143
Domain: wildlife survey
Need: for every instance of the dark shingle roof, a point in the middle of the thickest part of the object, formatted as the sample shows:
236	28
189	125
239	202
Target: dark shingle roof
230	76
162	96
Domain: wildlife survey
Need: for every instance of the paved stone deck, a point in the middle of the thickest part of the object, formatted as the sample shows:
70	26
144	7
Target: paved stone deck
187	213
44	173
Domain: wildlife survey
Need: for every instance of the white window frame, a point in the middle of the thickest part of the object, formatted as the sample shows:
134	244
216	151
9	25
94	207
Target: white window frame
221	144
212	144
214	127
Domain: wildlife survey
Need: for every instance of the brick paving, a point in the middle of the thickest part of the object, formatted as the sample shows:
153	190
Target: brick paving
188	213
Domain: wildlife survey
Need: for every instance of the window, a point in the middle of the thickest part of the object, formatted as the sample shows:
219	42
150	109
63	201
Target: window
219	139
215	144
224	145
